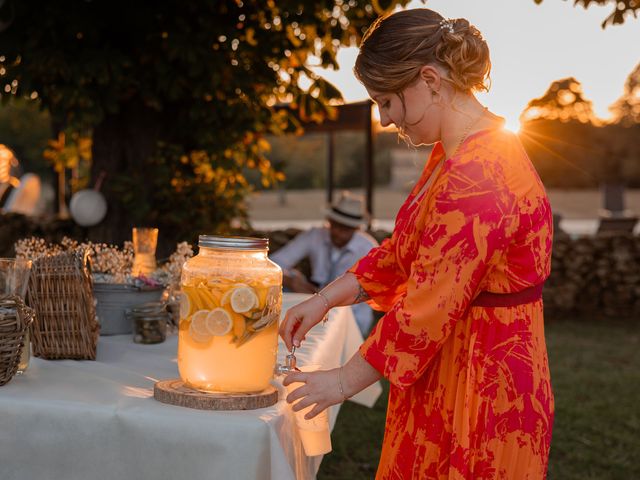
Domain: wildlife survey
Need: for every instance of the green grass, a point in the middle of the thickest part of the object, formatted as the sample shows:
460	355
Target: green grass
595	373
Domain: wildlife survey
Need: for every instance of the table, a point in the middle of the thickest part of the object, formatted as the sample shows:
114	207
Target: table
86	420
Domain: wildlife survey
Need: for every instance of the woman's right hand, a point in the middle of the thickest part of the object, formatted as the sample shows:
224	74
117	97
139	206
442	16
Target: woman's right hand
300	319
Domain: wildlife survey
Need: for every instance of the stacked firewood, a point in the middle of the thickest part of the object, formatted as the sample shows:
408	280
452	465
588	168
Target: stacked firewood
594	275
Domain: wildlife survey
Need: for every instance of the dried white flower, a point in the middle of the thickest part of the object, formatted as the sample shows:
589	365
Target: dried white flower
173	267
109	263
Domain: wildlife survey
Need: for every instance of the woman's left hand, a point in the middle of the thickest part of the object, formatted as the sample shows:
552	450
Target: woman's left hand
319	387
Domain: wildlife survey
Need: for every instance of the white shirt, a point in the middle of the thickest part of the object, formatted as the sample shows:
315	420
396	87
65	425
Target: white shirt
328	262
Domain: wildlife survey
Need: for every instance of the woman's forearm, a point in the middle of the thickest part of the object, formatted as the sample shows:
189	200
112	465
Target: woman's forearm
344	290
358	374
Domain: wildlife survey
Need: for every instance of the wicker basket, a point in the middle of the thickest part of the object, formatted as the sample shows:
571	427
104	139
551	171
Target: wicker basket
60	292
15	318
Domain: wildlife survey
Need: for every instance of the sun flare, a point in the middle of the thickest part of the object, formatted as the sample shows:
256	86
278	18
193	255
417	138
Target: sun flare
512	125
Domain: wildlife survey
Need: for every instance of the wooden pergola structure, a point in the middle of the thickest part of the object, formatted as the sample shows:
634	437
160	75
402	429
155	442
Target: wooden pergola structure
351	116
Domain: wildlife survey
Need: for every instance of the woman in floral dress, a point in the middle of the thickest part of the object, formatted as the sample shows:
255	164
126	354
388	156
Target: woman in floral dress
460	280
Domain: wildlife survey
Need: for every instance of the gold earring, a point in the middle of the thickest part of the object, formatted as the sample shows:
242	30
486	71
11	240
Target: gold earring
433	92
433	97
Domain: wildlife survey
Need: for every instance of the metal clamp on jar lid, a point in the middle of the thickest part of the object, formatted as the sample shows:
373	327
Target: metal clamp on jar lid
233	243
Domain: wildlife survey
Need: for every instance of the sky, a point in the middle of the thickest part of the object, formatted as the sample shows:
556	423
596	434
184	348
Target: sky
531	46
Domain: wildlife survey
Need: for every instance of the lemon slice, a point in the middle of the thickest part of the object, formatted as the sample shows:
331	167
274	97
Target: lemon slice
194	299
219	322
199	323
185	305
198	338
226	298
243	299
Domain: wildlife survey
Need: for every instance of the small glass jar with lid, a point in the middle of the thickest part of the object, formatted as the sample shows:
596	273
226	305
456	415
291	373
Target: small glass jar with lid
230	303
149	322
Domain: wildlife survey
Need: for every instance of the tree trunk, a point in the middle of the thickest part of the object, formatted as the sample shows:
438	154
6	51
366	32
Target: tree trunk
63	211
122	143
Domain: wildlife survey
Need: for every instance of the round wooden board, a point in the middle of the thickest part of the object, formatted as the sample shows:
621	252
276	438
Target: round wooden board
175	392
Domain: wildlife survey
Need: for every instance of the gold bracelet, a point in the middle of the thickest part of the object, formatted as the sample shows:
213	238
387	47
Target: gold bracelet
326	300
344	397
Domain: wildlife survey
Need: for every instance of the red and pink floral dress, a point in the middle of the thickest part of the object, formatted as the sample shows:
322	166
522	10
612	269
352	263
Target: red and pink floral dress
470	394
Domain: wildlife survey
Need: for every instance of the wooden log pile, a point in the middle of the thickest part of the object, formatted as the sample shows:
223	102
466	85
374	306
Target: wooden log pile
594	275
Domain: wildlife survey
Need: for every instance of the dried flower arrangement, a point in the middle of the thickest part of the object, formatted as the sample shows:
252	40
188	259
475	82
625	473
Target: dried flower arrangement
110	263
173	267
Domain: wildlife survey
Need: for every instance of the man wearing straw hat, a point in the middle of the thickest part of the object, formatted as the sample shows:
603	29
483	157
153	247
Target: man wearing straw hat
332	250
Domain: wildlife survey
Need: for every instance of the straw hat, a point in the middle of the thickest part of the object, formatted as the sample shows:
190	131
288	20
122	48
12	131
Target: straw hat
347	210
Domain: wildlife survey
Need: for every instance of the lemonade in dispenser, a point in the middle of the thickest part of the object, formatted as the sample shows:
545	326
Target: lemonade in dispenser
230	303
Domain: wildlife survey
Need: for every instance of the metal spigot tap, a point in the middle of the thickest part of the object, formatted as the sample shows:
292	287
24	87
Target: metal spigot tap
290	363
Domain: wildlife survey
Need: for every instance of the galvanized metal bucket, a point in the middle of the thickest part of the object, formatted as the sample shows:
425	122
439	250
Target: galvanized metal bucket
114	299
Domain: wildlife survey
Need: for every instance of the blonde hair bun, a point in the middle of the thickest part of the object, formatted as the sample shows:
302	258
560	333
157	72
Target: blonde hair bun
466	55
397	46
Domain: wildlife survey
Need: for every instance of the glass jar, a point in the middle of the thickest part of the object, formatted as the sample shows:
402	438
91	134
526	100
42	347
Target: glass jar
149	322
145	242
230	302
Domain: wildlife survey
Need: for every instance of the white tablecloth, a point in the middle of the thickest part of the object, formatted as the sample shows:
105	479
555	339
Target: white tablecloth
68	420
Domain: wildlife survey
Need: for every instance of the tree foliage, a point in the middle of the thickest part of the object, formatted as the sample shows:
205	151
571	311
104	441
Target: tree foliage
571	148
572	154
85	59
564	100
626	110
177	80
622	9
26	129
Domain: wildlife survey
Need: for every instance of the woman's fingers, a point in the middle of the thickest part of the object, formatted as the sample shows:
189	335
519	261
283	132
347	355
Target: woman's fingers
317	409
297	393
294	377
293	329
312	393
288	326
304	403
300	332
298	321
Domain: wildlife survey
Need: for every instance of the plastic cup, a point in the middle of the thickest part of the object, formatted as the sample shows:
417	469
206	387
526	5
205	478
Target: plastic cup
314	433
